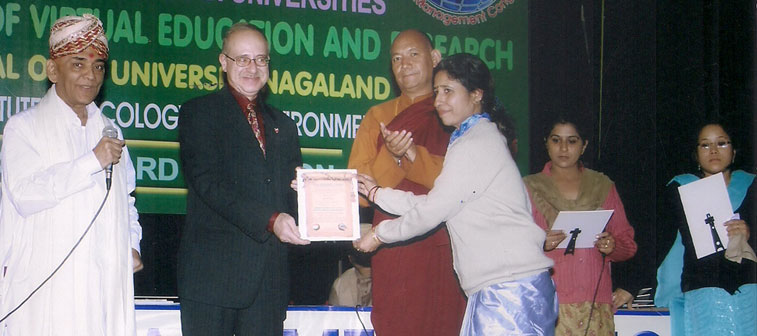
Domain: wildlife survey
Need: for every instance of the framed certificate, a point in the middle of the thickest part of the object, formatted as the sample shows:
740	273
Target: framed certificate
328	204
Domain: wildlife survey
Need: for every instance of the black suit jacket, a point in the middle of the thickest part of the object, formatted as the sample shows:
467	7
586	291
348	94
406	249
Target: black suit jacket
226	255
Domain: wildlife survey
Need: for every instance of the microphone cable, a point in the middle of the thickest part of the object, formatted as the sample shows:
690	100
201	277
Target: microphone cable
357	312
107	192
596	290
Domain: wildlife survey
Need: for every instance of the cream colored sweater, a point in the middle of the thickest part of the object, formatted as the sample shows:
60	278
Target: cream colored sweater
481	196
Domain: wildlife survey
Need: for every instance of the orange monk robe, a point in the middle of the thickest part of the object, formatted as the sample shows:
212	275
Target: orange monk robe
380	164
415	290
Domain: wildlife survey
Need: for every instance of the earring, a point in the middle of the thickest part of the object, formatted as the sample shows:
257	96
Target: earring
699	167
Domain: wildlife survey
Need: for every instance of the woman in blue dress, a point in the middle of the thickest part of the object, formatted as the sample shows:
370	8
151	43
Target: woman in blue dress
715	294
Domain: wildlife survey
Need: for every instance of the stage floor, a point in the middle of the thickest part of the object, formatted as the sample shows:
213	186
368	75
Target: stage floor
161	318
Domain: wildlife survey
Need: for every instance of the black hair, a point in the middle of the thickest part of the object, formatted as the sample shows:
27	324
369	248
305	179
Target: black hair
360	258
726	128
473	74
562	120
511	134
694	142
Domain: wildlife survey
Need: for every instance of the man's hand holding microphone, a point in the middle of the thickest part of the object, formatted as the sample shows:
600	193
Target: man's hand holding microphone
108	151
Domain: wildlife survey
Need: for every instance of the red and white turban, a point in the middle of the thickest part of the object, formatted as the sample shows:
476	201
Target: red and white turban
72	34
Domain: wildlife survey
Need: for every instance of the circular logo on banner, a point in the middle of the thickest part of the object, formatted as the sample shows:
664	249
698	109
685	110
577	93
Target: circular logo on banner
462	6
463	12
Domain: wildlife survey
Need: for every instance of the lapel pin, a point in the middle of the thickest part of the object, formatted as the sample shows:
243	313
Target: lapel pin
276	130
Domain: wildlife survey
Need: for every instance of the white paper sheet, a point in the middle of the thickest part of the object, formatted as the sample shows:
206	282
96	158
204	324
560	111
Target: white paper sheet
590	224
703	199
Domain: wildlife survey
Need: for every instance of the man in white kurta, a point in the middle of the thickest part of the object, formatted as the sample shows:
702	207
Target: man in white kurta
54	157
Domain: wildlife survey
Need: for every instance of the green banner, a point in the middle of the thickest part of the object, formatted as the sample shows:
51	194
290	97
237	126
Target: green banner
329	64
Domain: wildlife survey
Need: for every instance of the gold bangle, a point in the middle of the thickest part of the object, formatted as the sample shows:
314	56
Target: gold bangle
373	234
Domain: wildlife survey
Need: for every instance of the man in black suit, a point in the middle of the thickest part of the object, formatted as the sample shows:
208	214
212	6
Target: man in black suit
239	156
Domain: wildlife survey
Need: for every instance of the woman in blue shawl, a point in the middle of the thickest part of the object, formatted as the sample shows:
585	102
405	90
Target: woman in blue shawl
716	294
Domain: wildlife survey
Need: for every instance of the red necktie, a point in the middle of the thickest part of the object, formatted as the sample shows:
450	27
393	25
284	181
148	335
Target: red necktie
252	119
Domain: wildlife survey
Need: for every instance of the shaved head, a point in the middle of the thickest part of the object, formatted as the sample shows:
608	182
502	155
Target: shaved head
413	61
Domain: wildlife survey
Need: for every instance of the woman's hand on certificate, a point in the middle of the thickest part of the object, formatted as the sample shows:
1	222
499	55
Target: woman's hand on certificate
366	186
369	242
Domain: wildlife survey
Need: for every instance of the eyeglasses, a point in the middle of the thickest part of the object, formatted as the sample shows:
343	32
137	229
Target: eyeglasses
243	61
709	145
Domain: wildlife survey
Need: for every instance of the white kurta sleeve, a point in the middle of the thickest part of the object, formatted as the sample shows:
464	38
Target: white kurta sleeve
135	229
33	187
464	177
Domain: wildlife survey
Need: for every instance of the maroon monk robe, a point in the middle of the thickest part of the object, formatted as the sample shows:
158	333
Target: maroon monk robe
415	289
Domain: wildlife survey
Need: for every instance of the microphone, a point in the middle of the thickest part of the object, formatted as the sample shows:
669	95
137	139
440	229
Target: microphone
109	132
